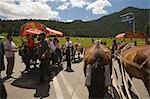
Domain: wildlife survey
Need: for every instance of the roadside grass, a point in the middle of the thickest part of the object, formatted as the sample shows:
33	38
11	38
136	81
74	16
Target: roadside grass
85	41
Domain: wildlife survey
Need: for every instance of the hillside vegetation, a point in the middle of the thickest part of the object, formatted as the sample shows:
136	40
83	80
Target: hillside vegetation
107	26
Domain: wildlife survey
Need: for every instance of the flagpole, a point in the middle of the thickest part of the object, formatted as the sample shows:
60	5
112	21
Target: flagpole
129	17
133	25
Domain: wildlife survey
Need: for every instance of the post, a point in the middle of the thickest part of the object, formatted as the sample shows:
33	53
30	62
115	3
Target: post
133	26
127	18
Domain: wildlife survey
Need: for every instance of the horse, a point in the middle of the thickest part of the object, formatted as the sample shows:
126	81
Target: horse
96	57
136	61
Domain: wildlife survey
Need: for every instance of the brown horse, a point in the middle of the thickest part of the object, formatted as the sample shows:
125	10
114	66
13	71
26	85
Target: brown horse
97	49
97	56
136	61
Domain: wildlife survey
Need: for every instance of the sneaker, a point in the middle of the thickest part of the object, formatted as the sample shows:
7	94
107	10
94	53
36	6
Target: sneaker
69	70
36	95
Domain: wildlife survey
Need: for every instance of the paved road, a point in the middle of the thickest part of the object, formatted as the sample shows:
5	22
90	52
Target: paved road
64	86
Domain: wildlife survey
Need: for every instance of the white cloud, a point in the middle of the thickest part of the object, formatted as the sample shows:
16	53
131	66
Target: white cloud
27	9
63	0
78	3
68	21
64	6
98	6
72	3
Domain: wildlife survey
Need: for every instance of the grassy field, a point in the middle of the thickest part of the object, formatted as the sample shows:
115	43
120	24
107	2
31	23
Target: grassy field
86	42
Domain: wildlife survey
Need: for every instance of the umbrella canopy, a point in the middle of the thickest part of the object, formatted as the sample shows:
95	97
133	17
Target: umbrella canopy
122	35
135	35
31	27
53	32
32	32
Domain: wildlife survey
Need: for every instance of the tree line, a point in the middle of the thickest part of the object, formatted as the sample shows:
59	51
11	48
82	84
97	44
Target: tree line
107	26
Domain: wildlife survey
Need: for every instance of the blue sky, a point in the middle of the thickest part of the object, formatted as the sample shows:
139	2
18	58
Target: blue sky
65	10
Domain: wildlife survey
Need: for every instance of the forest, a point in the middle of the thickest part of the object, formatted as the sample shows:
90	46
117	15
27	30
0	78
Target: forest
106	26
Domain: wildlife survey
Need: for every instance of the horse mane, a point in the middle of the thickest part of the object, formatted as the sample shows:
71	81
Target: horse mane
96	51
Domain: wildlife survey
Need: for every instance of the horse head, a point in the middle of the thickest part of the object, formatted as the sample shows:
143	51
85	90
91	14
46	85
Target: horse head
97	51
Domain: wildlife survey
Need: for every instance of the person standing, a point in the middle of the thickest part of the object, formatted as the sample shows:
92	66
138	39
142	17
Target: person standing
3	93
58	51
29	47
10	49
69	46
53	48
2	52
43	57
114	46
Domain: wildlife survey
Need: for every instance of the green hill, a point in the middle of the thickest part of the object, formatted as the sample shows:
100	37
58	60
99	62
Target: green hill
107	26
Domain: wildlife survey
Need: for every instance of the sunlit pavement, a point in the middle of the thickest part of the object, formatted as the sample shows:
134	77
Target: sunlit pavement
65	85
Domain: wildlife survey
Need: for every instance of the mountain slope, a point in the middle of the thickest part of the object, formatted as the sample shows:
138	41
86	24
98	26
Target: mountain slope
107	26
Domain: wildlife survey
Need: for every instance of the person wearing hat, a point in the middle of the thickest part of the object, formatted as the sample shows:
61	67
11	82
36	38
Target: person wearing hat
10	49
69	46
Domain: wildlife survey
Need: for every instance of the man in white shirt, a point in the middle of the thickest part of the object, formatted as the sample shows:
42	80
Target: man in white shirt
10	49
68	54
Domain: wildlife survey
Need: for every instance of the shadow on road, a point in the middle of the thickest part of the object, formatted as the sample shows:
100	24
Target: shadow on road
30	80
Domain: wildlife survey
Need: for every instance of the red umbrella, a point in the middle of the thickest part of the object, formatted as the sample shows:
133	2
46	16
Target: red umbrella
32	32
120	35
32	28
53	32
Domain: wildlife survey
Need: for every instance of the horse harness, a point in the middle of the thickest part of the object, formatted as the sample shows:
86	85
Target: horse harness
139	66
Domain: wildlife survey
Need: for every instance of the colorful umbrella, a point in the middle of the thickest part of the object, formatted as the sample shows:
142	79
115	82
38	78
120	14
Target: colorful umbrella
120	35
32	27
32	32
53	32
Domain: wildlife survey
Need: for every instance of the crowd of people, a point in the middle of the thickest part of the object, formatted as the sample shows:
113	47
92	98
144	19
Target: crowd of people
33	48
43	49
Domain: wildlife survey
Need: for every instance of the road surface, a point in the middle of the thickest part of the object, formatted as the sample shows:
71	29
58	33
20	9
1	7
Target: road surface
64	85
